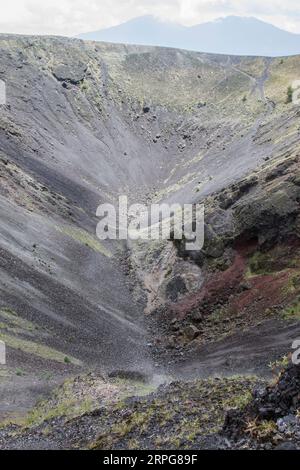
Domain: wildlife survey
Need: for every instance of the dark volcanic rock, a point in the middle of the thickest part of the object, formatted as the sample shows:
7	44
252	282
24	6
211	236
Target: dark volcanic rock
278	404
73	73
176	287
286	446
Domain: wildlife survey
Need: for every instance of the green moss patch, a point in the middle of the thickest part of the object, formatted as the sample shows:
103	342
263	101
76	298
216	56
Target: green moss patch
293	284
277	260
292	312
11	321
84	238
36	349
260	264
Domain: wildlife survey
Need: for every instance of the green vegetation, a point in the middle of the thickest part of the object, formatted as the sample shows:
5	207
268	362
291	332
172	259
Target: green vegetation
84	85
261	431
278	366
238	401
260	264
84	238
292	312
67	408
20	373
14	323
279	79
290	93
176	418
36	349
66	401
293	284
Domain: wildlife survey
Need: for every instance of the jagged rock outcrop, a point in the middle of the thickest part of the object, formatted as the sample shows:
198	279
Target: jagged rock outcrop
272	415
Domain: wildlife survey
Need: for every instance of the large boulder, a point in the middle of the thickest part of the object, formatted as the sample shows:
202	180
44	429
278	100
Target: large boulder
72	73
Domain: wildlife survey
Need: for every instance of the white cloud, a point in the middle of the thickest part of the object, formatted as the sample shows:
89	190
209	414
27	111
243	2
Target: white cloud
71	17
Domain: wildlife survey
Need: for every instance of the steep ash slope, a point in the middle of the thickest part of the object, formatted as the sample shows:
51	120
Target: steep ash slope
85	122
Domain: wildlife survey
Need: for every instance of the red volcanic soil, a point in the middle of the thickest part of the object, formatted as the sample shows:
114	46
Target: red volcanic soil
231	287
217	289
264	292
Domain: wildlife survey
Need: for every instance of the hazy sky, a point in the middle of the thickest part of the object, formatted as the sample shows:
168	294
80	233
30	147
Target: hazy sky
72	17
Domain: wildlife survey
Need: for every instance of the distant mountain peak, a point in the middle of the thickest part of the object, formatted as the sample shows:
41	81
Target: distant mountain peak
232	35
144	18
239	19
